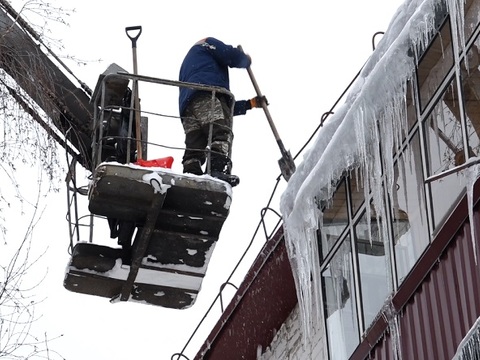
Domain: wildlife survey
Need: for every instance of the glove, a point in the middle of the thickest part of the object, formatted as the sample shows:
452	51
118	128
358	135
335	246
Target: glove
257	101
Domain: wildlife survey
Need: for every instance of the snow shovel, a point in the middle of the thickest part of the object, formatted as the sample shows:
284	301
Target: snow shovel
136	100
286	163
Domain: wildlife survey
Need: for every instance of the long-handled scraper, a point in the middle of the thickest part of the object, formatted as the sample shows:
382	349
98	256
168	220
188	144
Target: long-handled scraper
136	100
286	163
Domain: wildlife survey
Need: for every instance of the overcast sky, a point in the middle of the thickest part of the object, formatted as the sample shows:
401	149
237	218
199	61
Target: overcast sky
304	56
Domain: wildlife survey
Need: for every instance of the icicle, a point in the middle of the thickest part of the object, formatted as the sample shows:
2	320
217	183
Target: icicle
372	100
469	348
391	318
471	174
457	15
303	256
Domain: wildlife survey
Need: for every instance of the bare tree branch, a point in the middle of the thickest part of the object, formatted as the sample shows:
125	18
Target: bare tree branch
26	142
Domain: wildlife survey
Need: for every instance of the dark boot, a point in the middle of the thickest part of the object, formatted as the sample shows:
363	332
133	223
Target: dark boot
233	180
220	170
192	167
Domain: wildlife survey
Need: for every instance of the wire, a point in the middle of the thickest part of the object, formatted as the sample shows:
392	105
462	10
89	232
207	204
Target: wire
231	274
322	121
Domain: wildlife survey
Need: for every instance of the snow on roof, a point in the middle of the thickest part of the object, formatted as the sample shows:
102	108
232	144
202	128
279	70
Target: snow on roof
349	139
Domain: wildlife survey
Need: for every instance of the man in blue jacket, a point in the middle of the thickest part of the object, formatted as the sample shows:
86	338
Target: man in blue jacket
207	63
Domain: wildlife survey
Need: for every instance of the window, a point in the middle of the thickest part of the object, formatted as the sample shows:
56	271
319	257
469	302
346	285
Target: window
409	122
437	131
409	218
340	303
471	97
435	65
444	147
356	192
372	265
472	17
335	220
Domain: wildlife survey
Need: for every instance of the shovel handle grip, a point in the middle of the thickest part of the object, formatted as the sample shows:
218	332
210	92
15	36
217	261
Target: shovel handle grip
134	38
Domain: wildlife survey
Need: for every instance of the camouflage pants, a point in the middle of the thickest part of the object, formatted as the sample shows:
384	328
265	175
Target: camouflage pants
196	120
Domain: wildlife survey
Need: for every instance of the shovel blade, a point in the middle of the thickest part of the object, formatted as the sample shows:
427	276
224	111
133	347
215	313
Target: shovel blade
287	166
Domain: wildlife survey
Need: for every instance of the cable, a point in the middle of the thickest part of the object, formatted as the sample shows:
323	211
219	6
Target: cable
330	112
230	276
322	121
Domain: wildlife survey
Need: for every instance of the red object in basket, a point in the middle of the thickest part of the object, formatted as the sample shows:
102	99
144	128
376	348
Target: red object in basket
165	162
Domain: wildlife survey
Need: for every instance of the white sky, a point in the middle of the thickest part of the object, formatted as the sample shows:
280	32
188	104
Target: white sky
303	58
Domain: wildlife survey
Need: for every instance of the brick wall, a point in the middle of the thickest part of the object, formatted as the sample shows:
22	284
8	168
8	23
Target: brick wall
288	342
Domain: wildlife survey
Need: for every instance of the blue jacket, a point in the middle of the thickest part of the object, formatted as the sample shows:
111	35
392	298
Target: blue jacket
207	63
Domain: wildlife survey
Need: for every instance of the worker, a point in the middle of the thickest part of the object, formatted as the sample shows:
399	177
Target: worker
207	63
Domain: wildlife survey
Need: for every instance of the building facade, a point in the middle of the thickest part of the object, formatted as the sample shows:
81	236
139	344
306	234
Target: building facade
395	248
